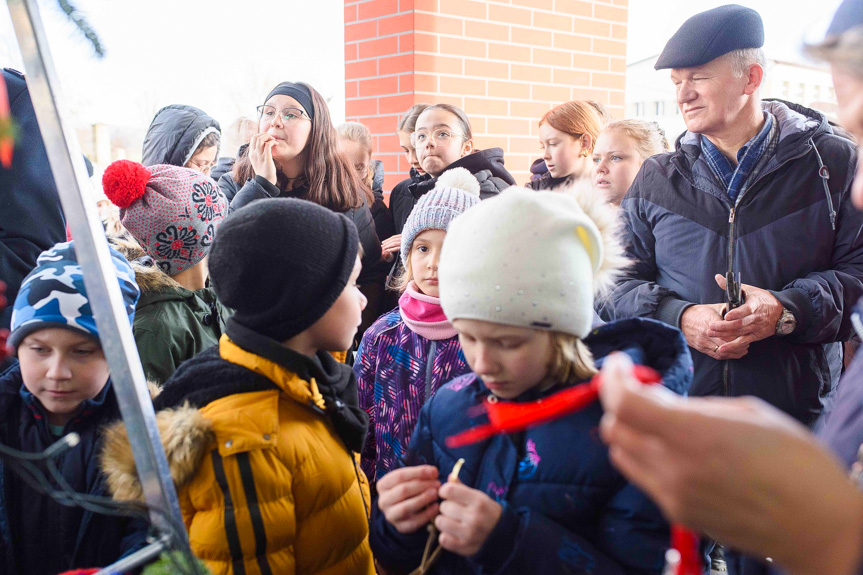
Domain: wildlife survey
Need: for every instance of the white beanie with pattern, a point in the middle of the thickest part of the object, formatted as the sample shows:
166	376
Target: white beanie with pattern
531	259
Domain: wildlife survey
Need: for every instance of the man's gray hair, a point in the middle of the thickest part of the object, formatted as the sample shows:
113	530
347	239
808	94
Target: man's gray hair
742	59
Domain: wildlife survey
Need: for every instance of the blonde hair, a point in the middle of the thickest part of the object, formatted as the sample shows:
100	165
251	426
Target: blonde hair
400	282
359	134
649	137
239	132
571	361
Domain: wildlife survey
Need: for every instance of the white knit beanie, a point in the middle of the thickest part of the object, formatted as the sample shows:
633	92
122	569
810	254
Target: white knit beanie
531	259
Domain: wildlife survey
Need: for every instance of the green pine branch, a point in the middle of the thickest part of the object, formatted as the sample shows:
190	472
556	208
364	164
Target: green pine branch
83	26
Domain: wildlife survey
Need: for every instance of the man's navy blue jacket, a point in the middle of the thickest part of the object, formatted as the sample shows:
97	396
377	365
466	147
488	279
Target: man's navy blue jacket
679	228
566	509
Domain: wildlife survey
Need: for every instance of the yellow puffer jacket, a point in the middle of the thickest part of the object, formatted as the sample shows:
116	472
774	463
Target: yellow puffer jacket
265	483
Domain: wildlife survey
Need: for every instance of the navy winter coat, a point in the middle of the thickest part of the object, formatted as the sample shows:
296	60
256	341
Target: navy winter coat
31	219
681	229
59	538
175	133
565	508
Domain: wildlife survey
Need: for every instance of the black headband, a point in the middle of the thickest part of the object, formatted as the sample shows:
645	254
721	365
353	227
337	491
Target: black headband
298	92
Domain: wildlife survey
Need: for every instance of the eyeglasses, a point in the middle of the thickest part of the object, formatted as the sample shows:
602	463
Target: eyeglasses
289	116
442	136
203	167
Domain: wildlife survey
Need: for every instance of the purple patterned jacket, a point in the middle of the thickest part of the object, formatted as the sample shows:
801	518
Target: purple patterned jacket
397	371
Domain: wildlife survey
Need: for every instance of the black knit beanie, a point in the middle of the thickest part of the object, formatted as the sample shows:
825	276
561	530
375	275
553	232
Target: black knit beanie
281	263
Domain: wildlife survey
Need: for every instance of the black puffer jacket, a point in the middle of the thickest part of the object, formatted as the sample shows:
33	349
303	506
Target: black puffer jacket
485	165
402	201
259	188
174	135
223	166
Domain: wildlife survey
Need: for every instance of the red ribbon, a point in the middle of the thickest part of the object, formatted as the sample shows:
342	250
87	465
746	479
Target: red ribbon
511	417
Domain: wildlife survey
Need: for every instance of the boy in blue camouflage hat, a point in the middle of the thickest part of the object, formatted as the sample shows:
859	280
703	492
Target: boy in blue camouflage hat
60	385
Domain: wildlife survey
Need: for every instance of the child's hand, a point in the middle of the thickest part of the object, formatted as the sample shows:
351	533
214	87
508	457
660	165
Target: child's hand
408	497
261	156
467	517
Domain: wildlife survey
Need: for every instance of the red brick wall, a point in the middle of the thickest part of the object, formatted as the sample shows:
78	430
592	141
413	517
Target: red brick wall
504	62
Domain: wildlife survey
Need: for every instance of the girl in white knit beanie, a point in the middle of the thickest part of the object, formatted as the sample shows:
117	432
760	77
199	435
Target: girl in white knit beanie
518	275
408	353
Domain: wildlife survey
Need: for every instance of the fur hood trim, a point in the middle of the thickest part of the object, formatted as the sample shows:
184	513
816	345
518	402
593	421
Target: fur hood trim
149	277
187	436
607	219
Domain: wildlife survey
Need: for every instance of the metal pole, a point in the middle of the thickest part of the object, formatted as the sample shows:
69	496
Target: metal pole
91	247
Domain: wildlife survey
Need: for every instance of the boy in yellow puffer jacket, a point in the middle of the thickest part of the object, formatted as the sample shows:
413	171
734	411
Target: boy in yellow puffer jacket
262	431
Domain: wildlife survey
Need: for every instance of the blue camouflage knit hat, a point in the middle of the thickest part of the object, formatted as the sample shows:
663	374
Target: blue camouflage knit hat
53	294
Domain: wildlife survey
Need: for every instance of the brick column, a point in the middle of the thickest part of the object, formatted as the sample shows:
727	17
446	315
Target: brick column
505	63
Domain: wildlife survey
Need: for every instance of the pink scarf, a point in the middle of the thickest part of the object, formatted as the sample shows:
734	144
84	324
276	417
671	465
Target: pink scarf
424	315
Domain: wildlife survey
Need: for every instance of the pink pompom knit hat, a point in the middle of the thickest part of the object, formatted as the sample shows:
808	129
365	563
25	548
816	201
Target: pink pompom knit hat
172	212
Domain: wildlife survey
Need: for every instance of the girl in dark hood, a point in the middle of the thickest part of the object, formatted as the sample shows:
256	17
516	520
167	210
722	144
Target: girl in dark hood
182	136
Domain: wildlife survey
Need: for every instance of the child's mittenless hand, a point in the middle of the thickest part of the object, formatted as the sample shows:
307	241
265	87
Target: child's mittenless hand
261	156
467	517
408	497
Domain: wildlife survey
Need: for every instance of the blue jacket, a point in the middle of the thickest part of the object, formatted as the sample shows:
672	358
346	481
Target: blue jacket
681	230
66	537
565	508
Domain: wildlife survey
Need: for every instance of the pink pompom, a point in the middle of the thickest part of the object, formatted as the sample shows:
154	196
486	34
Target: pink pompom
124	182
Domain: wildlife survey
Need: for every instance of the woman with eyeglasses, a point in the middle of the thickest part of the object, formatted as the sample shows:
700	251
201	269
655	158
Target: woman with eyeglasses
443	140
182	136
296	154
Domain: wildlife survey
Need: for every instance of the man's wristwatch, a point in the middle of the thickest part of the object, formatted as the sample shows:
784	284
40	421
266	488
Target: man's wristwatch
786	324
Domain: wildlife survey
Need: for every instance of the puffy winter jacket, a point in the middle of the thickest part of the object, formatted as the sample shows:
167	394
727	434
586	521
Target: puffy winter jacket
397	371
172	323
565	507
258	188
682	229
486	166
175	133
265	483
46	536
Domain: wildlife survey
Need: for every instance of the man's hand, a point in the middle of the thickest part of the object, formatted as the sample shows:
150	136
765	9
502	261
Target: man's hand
408	497
467	517
753	321
737	469
695	324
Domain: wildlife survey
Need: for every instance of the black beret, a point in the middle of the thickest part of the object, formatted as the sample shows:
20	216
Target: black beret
849	15
708	35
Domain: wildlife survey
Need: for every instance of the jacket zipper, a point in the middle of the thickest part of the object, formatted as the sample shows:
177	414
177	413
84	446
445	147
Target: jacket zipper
429	367
731	221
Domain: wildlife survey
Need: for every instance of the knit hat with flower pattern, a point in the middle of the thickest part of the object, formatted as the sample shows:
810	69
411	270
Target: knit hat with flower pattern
172	212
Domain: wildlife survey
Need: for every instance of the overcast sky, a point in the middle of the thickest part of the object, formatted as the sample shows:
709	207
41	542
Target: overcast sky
224	56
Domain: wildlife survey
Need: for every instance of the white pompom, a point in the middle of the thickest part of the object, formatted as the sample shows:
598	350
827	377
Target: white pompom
459	178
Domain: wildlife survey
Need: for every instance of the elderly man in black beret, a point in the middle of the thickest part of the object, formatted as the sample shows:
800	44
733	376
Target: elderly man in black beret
755	190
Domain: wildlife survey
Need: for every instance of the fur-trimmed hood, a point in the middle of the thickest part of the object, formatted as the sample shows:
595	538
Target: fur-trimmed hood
148	276
186	437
